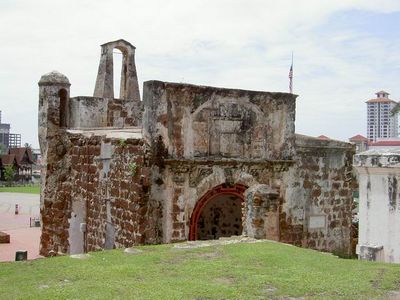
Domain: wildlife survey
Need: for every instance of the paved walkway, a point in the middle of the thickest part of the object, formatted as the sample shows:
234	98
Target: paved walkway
28	203
22	236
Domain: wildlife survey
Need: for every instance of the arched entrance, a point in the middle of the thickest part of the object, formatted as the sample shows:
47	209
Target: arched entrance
218	213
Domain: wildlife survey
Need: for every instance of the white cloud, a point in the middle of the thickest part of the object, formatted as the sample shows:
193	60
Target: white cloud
244	44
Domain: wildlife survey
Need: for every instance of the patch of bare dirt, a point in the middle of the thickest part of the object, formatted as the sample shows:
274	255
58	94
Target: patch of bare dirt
209	254
225	280
376	283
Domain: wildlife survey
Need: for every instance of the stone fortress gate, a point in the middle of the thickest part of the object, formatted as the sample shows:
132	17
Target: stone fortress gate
187	162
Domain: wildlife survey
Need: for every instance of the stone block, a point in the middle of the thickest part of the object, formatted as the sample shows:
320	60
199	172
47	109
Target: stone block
369	252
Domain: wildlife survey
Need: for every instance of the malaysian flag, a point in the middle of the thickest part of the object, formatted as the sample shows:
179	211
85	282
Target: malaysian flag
291	77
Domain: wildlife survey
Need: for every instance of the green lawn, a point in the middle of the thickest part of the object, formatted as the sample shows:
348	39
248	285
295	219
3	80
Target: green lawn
34	189
264	270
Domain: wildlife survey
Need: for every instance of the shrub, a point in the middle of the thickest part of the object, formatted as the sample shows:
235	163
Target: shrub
9	173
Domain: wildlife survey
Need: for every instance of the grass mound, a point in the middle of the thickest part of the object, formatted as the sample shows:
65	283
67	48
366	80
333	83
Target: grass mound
264	270
32	189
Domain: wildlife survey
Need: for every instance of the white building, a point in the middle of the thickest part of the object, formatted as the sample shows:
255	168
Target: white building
380	121
379	205
360	141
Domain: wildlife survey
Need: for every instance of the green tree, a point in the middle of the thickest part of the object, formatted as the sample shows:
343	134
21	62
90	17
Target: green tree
9	174
28	146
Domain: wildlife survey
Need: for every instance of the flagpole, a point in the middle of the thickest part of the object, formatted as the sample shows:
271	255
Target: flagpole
291	77
292	73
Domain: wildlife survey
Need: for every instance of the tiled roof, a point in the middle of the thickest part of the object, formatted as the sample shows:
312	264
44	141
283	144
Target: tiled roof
385	143
7	159
20	152
323	137
380	100
358	137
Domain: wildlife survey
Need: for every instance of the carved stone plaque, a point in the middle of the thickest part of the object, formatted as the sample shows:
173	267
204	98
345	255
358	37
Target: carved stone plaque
317	221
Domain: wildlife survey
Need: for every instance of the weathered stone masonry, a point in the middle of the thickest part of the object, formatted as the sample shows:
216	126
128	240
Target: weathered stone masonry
323	177
107	183
122	172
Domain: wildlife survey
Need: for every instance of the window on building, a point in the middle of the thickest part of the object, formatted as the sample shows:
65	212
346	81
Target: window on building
63	94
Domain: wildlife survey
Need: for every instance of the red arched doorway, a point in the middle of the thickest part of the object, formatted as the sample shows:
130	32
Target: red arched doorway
218	193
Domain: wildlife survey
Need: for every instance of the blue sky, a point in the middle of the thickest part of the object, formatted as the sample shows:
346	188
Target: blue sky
344	51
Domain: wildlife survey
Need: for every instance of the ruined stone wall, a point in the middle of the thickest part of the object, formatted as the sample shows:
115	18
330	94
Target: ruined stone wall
104	184
91	112
55	205
318	208
129	88
102	191
118	212
87	112
199	121
182	184
212	137
261	211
